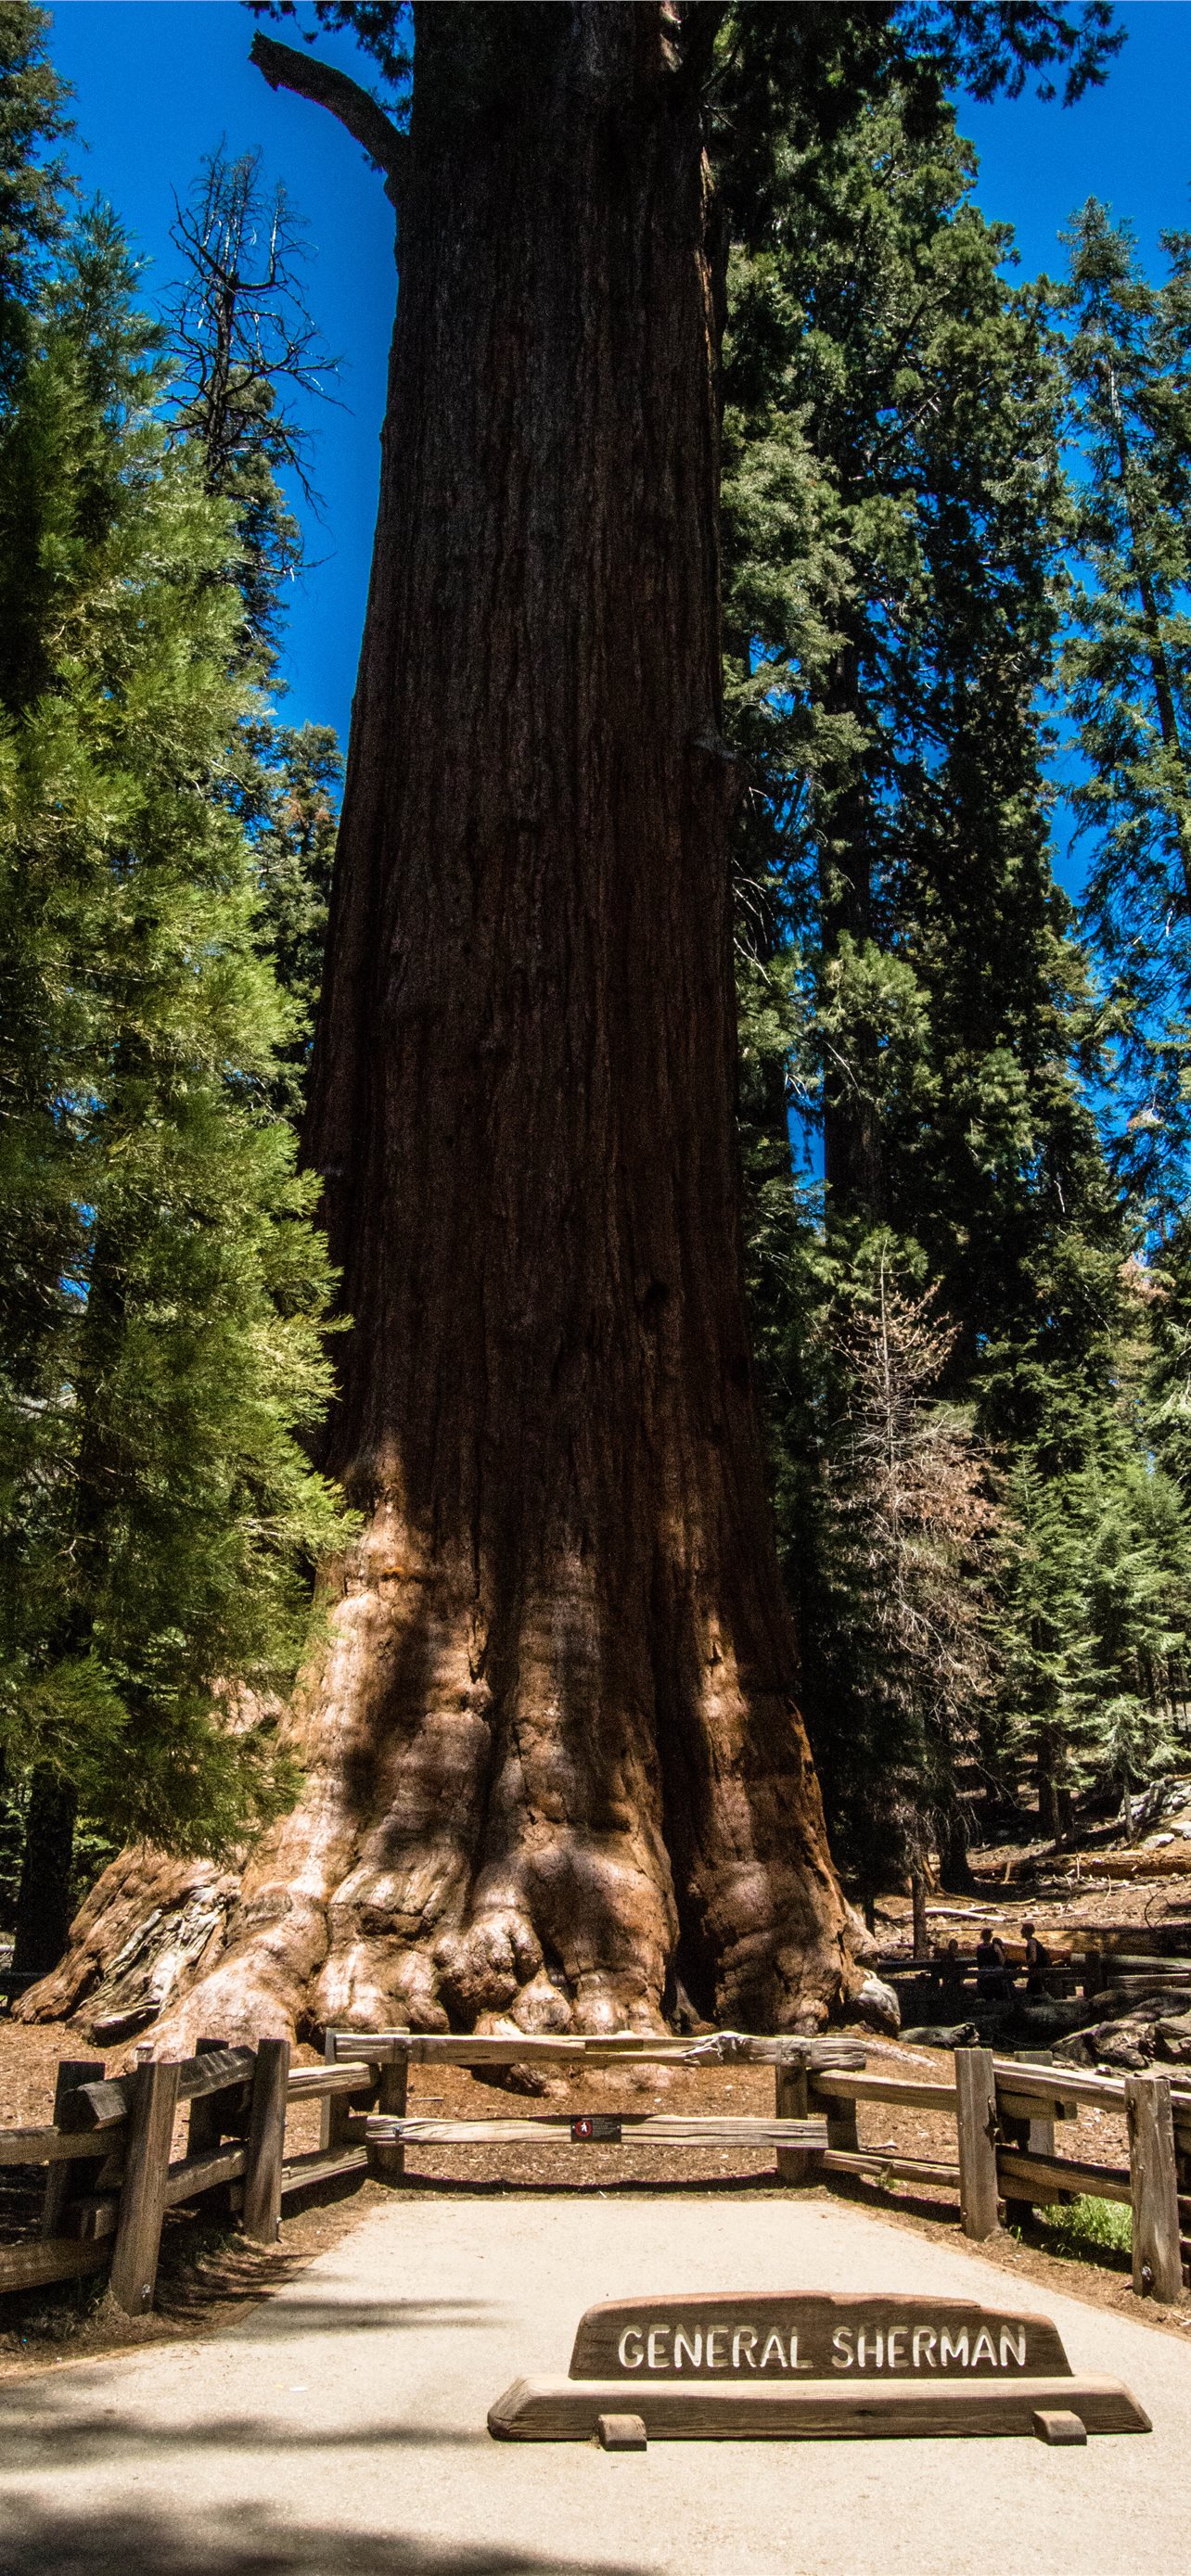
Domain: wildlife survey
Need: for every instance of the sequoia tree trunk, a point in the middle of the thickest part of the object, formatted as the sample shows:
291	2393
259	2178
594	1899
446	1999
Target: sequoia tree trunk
552	1754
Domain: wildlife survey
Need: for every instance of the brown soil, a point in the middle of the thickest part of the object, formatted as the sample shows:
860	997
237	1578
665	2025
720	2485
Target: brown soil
1051	1890
208	2276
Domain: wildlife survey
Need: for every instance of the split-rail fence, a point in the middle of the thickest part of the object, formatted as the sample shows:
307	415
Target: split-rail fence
111	2175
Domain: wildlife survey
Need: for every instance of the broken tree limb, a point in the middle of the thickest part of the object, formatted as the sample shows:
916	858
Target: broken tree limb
310	77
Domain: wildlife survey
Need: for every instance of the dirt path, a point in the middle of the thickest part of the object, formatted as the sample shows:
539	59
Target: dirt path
341	2426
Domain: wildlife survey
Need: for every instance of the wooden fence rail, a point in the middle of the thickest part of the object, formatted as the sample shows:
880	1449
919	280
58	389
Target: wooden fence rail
1005	2112
111	2176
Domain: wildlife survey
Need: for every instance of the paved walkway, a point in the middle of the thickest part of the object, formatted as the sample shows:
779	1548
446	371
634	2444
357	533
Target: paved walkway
340	2427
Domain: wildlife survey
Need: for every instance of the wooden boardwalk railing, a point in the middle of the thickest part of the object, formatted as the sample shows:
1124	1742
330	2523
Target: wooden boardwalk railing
111	2177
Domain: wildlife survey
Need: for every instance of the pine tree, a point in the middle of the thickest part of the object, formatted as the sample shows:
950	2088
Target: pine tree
33	187
293	827
906	1660
895	528
1092	1626
245	353
34	193
1128	670
162	1354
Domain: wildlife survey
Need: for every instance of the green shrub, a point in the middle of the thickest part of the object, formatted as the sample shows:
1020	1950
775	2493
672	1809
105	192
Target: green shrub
1084	2224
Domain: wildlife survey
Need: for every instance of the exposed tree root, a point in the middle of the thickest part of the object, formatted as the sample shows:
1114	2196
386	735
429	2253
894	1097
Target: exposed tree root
474	1853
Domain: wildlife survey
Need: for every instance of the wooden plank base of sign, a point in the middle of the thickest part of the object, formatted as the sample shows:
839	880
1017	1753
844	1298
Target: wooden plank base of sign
568	2410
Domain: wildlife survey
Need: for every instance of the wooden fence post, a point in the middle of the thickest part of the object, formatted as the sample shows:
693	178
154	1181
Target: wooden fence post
387	2164
1153	2174
142	2197
207	2111
792	2102
205	2133
841	2123
266	2142
63	2182
336	2107
976	2126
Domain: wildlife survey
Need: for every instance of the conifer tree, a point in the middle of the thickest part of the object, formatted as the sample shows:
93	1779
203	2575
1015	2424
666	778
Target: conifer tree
908	1523
246	356
246	352
293	821
33	120
162	1356
1127	346
1092	1624
895	525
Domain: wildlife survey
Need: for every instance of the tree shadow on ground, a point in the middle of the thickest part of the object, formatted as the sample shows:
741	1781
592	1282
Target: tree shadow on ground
102	2439
252	2541
283	2318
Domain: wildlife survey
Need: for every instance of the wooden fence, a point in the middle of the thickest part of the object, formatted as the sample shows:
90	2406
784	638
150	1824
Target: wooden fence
1005	2113
111	2175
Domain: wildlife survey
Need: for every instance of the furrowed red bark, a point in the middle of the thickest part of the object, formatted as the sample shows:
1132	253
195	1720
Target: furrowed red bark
552	1751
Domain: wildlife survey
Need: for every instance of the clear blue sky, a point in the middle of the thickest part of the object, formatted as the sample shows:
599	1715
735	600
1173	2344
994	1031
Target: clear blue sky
159	82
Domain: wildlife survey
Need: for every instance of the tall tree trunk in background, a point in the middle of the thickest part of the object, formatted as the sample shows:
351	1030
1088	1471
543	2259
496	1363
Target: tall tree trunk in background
552	1753
43	1899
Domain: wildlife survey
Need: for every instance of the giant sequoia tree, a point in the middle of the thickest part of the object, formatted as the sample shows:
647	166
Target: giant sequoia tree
551	1745
553	1742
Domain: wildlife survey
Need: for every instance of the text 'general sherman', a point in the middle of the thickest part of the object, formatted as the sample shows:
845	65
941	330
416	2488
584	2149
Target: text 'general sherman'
740	2348
820	2335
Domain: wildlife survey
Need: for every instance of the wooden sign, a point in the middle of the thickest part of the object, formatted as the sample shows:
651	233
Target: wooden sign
811	2364
812	2335
598	2127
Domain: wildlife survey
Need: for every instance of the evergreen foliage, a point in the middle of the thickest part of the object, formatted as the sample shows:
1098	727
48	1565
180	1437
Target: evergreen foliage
293	822
244	350
1127	350
33	120
160	1343
895	527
